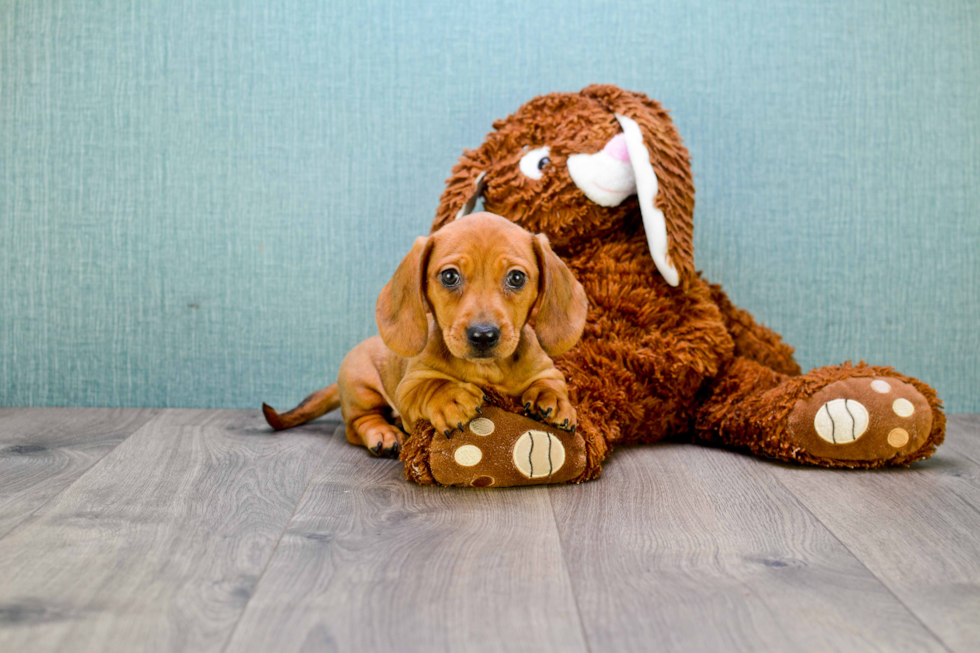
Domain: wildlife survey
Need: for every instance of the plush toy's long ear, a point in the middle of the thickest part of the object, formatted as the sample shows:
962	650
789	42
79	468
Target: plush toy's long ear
562	305
647	188
400	311
661	171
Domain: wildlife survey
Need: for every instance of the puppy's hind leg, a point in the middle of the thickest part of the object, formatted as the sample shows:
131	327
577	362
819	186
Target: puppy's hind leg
365	406
366	413
375	432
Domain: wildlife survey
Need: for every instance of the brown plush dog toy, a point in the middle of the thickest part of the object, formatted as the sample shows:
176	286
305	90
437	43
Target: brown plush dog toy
604	174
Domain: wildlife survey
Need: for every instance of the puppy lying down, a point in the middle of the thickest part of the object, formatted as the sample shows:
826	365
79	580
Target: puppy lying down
479	303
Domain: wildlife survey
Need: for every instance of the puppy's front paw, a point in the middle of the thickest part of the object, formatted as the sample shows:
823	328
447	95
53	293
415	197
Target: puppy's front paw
549	406
454	408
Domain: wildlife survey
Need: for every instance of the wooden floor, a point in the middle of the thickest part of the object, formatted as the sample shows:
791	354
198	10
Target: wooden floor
172	530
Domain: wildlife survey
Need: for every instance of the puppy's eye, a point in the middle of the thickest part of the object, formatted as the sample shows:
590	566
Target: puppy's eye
535	161
516	279
449	278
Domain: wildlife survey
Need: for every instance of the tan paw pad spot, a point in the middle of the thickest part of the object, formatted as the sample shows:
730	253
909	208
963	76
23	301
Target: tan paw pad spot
903	408
898	438
482	426
468	455
538	454
881	386
841	421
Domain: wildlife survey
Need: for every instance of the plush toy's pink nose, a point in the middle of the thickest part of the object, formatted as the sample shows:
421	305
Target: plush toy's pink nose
616	148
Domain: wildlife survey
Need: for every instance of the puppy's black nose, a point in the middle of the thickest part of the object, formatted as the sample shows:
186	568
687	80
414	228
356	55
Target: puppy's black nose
483	336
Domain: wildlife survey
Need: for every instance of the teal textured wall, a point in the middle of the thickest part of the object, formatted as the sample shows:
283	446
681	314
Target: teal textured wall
199	201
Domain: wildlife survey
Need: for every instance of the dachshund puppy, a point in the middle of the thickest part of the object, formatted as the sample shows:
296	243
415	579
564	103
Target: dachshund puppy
457	316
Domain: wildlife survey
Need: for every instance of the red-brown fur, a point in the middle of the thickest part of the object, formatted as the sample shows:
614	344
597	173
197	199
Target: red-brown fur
655	361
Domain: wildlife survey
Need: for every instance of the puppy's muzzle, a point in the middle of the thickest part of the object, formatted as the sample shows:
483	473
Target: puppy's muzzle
483	337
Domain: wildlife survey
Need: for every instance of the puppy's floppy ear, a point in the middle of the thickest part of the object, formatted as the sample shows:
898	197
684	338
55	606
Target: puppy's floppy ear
401	305
562	305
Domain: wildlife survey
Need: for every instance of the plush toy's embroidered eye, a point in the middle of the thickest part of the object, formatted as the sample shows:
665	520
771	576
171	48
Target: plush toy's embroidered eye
534	162
449	278
516	279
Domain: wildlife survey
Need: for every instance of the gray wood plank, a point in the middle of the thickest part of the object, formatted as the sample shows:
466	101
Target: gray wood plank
683	548
963	437
371	562
917	529
43	450
159	546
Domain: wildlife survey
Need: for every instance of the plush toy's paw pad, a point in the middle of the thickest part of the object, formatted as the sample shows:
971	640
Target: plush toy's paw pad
862	419
502	449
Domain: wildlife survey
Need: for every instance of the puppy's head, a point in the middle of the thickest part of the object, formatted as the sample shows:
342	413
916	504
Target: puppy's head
482	278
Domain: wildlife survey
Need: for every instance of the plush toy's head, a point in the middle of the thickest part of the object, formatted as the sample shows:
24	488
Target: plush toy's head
577	166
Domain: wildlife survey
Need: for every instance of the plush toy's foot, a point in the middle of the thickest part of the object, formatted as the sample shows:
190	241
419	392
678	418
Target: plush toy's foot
837	416
497	449
862	419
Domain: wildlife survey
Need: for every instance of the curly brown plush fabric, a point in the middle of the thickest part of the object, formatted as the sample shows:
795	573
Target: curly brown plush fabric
659	360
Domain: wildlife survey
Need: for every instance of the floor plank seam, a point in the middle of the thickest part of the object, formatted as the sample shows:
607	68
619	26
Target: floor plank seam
888	588
272	555
568	576
98	462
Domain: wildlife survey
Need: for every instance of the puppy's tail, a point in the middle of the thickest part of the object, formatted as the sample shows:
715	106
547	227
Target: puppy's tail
315	405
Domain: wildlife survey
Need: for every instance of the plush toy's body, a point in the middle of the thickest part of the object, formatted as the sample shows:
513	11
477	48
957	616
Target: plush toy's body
665	354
